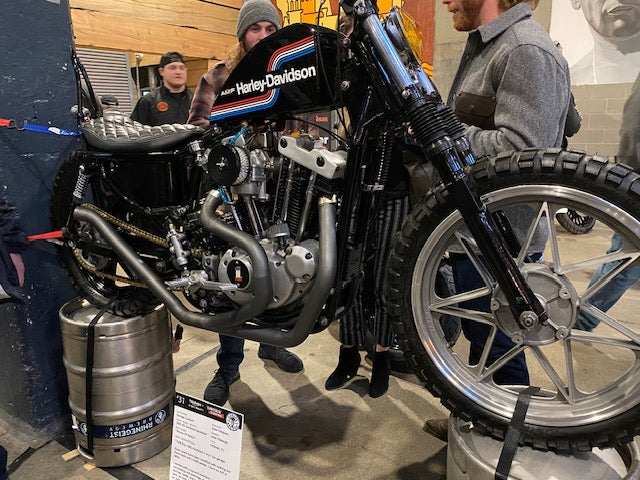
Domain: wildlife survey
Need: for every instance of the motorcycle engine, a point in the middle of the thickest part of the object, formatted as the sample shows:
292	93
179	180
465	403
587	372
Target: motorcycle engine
292	272
244	171
252	175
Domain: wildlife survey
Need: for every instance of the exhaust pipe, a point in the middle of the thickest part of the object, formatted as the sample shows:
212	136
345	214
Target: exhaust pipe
315	298
217	322
233	322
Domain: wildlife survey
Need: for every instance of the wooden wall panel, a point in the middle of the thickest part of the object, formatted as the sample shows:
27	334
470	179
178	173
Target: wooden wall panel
102	30
148	59
217	17
199	29
195	70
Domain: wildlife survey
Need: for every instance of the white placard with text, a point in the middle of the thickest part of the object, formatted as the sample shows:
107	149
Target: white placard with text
207	441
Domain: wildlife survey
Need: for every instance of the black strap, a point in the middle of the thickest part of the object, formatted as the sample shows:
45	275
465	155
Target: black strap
514	432
157	96
88	387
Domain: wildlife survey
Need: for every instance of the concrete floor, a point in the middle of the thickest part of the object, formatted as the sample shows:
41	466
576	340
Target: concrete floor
293	427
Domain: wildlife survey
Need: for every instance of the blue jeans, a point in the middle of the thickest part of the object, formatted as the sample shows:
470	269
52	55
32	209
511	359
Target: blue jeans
230	355
4	475
607	296
466	278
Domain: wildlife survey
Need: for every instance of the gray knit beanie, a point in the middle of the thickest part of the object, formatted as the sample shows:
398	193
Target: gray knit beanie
254	11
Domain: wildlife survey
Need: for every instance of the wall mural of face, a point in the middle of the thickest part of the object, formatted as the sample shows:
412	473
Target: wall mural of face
613	19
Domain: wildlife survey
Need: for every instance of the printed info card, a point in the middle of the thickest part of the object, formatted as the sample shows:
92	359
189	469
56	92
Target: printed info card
207	441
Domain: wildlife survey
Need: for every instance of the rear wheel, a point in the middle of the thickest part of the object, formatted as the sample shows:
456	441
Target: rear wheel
589	381
89	262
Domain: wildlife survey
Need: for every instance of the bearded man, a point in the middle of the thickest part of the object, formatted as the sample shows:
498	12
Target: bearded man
512	84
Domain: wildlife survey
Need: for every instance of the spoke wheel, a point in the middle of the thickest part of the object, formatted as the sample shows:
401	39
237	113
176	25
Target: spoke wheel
589	381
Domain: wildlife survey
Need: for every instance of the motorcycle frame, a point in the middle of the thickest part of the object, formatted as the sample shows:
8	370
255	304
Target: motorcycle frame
102	168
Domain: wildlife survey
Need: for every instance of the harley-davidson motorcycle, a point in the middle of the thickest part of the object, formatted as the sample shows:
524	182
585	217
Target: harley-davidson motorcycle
265	236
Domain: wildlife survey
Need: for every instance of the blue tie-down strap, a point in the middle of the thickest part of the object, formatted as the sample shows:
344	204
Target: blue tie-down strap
32	127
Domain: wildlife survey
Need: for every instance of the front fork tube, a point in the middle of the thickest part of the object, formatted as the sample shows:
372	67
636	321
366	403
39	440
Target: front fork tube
449	157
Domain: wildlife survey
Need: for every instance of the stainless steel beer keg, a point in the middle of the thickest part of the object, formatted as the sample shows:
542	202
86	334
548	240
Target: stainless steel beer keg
132	383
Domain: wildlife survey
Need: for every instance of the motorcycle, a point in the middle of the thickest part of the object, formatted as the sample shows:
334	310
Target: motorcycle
250	233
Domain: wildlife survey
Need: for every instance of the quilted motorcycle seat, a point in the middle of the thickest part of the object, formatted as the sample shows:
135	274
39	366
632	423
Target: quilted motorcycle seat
118	133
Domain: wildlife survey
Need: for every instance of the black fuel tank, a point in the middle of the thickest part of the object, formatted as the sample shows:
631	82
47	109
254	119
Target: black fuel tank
293	70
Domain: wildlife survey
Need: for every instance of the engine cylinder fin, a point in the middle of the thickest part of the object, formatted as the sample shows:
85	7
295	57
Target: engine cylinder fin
297	198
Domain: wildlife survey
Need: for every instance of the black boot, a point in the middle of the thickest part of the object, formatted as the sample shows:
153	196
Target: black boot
217	390
380	374
284	359
348	363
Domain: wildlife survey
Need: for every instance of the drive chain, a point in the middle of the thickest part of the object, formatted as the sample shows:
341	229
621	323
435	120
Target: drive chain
132	230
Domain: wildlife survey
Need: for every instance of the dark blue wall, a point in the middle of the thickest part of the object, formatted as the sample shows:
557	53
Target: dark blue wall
36	84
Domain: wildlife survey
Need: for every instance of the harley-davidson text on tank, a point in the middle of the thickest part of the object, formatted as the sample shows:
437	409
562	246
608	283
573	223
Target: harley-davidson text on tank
273	80
281	74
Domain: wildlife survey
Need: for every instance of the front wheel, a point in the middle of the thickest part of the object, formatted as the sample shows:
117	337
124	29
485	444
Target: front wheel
589	380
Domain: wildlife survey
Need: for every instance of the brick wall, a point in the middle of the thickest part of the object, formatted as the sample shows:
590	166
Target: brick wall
601	108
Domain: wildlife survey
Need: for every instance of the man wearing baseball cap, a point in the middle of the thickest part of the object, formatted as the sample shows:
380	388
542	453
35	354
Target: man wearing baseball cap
170	102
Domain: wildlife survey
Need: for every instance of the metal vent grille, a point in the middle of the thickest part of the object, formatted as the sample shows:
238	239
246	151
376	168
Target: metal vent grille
109	73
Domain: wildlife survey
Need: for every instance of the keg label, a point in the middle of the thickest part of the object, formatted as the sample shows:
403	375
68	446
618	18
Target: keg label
123	430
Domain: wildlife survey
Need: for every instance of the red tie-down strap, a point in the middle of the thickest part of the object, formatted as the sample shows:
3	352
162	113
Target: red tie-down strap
45	236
